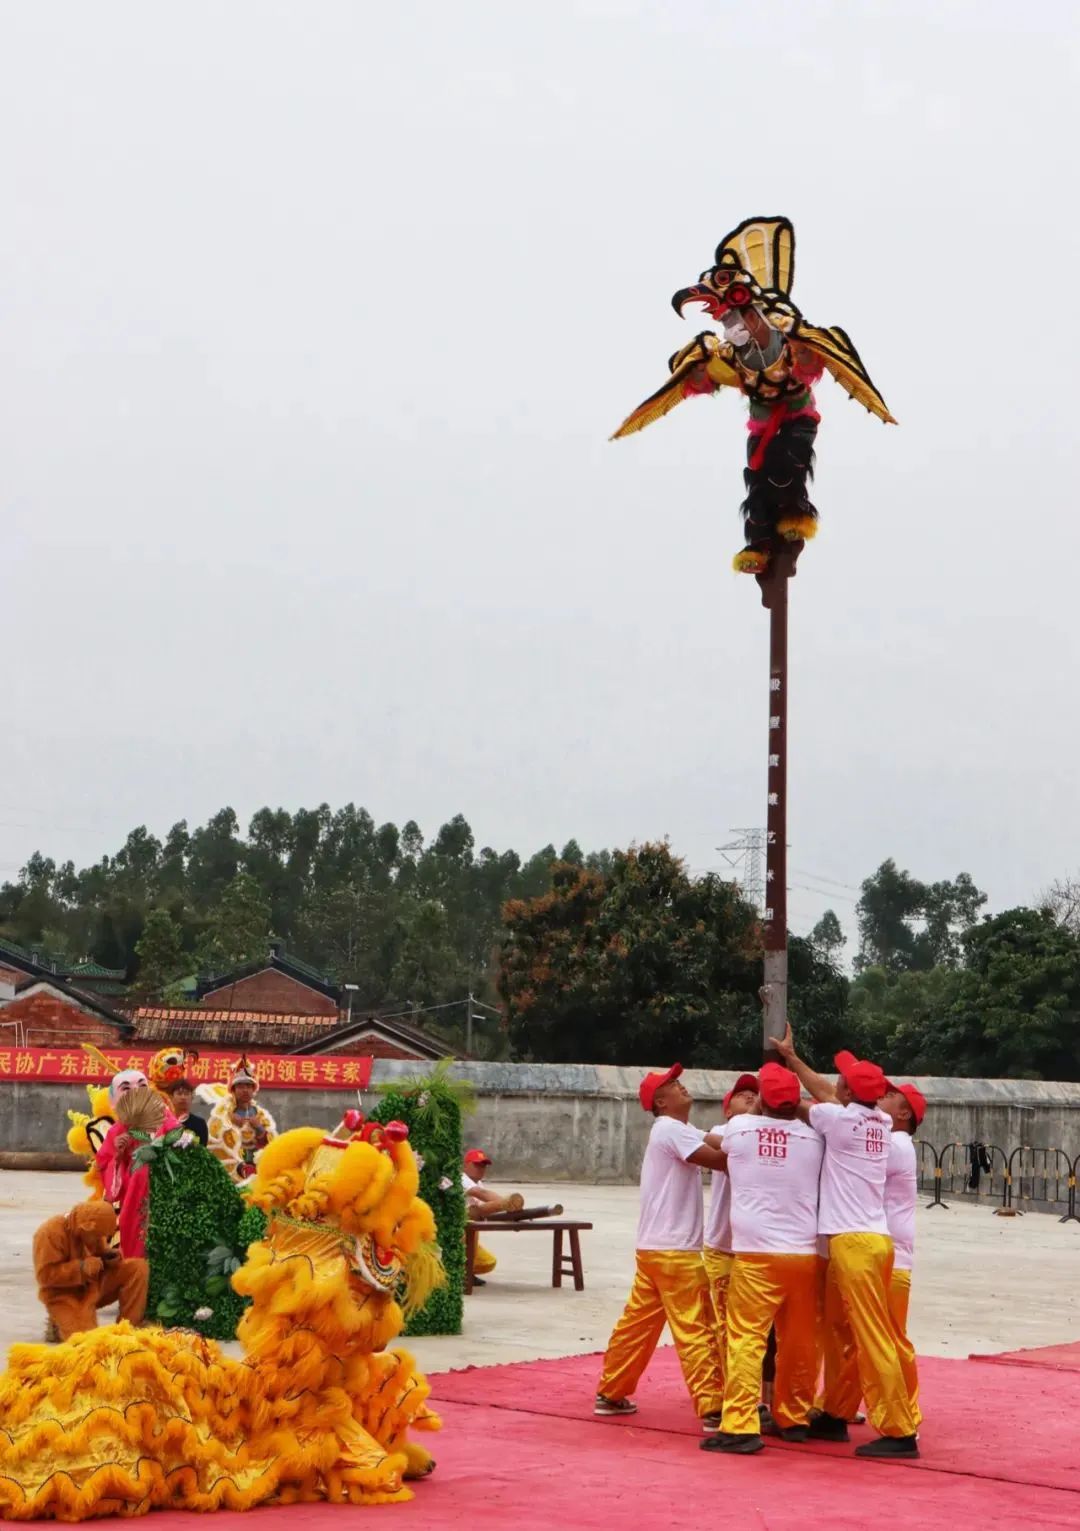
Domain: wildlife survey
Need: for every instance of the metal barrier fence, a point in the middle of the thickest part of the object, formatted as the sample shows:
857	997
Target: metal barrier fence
986	1173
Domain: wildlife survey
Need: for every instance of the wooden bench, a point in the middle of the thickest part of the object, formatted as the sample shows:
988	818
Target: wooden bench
568	1265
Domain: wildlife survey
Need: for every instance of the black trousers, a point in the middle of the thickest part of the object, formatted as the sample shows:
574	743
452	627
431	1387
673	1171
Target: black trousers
778	487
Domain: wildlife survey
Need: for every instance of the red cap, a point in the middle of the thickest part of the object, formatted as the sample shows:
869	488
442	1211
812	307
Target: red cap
914	1097
864	1079
779	1086
651	1083
476	1156
744	1082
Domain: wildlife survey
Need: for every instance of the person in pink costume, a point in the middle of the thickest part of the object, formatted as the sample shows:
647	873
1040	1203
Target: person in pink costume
127	1187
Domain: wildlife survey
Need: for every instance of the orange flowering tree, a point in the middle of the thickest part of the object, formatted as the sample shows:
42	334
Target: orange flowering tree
632	965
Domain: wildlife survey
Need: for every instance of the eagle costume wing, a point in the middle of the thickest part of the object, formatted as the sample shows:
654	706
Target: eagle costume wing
703	350
834	347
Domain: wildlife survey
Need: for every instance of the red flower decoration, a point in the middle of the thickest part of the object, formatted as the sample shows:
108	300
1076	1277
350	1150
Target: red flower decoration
738	295
353	1119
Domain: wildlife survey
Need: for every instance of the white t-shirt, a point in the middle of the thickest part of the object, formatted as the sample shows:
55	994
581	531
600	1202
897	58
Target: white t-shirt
901	1191
718	1217
469	1184
774	1167
672	1212
852	1196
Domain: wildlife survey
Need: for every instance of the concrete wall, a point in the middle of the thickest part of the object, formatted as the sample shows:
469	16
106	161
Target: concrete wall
579	1122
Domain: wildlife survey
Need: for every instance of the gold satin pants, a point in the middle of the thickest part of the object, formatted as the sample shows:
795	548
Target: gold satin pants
766	1291
864	1350
718	1272
899	1300
670	1286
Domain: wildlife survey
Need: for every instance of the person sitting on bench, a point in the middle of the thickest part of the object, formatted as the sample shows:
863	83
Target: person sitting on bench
478	1200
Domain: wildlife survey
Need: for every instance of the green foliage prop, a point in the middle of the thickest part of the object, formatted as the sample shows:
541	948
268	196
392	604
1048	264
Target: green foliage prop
199	1230
433	1107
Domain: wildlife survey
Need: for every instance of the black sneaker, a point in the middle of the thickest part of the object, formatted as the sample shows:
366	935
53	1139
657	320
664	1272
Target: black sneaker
734	1445
786	1432
890	1446
478	1281
827	1427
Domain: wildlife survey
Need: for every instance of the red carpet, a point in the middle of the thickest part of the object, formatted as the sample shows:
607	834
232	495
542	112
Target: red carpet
521	1451
1055	1358
1016	1425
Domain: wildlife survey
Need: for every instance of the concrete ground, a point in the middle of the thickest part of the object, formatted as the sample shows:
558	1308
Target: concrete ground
982	1283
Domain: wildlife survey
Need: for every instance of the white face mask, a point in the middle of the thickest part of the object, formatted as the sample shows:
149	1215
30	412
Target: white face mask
735	331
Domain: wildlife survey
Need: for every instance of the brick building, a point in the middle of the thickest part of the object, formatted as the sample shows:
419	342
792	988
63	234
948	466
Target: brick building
278	1005
267	1031
282	1004
279	985
46	1012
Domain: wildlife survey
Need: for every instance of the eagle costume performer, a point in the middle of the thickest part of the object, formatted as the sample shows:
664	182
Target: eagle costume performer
771	354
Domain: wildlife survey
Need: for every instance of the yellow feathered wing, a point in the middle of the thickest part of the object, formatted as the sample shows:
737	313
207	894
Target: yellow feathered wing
842	360
684	363
764	247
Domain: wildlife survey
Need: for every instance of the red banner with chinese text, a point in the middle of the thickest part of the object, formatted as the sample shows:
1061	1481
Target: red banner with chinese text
274	1071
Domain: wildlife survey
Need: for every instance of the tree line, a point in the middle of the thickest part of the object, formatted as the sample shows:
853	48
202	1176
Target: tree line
612	956
411	921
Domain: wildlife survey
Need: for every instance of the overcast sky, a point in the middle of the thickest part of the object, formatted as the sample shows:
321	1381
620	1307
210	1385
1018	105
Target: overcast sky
316	320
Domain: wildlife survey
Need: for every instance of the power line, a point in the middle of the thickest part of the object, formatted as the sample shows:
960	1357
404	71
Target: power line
819	877
825	893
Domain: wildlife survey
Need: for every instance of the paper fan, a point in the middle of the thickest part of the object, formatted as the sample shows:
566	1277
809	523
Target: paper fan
141	1109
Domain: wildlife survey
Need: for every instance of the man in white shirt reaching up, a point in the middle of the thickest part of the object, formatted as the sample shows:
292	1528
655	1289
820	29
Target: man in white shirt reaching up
852	1216
670	1285
773	1163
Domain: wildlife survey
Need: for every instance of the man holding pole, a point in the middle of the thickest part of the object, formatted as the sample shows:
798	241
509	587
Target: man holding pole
670	1285
774	1164
906	1105
858	1312
741	1098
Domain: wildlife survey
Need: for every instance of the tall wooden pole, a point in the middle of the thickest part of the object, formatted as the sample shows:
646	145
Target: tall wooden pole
774	597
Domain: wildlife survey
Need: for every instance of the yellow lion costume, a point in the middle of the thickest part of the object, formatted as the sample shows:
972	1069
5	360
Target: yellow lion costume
87	1133
121	1420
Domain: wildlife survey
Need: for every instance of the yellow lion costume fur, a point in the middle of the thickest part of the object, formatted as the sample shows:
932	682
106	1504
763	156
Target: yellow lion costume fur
121	1420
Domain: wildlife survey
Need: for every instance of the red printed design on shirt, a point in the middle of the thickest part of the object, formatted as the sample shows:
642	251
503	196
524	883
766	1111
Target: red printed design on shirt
875	1139
772	1143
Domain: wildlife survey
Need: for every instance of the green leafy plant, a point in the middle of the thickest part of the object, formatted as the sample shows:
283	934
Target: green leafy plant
433	1106
162	1151
199	1230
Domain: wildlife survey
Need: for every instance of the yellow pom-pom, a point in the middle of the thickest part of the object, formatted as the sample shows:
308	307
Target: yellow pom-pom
750	561
797	528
